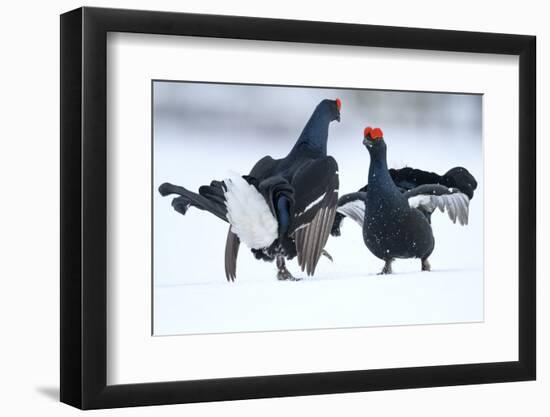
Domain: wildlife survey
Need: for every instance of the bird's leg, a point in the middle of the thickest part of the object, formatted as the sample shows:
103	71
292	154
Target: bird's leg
426	265
283	274
337	224
387	267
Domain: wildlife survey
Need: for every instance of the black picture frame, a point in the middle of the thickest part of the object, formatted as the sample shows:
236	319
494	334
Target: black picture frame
84	209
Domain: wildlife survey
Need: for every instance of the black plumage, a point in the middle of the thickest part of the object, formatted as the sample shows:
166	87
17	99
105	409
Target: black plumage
298	194
458	177
395	207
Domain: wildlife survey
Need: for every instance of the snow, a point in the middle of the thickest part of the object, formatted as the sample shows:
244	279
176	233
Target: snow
344	300
191	294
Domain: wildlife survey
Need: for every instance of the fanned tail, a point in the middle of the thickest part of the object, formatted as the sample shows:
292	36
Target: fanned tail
207	202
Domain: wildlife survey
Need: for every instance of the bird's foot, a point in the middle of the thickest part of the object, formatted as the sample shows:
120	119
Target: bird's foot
328	255
426	265
387	270
285	275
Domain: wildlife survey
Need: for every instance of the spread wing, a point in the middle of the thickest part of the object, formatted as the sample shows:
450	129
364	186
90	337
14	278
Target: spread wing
428	197
353	206
316	197
408	178
458	177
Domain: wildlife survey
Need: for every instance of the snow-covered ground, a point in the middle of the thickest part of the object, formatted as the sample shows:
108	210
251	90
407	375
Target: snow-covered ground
191	294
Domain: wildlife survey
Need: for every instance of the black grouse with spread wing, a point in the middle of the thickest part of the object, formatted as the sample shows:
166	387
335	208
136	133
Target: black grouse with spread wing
284	208
395	207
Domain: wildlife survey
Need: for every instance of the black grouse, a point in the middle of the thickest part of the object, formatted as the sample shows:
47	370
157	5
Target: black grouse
395	207
284	208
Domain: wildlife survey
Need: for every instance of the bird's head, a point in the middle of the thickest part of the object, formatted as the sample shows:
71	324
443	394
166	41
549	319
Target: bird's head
330	108
373	137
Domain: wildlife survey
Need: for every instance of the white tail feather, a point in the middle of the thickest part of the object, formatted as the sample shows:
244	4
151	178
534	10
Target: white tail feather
249	215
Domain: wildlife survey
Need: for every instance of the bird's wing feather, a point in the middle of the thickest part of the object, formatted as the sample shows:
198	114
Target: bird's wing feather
428	197
353	206
316	198
408	178
231	251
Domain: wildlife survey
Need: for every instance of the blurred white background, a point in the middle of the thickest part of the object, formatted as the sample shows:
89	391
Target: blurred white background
30	237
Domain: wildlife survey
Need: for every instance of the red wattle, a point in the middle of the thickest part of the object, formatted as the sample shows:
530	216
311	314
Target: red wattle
376	133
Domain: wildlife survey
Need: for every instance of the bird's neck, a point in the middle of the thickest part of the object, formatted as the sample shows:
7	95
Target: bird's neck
378	169
315	134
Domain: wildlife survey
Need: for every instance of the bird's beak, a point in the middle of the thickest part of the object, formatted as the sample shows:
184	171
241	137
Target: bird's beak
367	142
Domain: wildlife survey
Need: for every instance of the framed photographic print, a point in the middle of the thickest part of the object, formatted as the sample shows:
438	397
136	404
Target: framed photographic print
257	208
